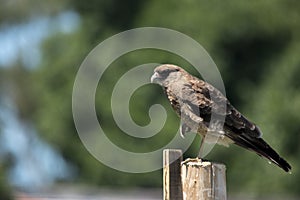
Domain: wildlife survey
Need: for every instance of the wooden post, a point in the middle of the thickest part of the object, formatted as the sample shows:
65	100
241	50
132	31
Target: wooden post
192	179
203	180
171	174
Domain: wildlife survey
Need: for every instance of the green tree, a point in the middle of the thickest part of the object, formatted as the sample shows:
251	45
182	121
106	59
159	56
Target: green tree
5	190
255	45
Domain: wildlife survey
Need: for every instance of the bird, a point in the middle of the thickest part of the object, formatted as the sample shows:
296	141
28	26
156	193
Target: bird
195	101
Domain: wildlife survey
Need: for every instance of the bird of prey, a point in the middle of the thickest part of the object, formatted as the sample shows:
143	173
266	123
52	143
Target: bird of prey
195	100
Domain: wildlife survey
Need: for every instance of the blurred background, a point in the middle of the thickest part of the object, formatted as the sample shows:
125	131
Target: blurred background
255	45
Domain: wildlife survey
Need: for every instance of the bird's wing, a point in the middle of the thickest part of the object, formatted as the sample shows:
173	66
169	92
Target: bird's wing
184	128
205	99
189	118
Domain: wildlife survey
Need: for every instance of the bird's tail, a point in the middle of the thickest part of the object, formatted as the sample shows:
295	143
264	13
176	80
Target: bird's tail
259	146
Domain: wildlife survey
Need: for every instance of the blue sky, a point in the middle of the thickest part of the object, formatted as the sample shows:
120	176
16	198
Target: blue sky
35	163
24	39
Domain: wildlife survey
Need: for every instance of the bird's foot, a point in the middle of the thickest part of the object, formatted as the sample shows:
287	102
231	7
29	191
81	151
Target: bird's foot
193	160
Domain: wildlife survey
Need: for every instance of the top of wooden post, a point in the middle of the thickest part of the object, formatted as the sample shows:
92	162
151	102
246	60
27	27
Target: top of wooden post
192	179
172	159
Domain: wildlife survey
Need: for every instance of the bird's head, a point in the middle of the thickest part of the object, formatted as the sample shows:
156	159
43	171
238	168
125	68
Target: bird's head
164	74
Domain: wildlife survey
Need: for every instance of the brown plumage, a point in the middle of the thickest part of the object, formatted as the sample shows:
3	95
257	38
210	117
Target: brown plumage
195	100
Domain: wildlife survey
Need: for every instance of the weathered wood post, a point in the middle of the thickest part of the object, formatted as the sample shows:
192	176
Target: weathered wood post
172	159
192	179
203	180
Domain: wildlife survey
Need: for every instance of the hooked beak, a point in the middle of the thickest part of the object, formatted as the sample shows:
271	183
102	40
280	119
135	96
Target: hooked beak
155	78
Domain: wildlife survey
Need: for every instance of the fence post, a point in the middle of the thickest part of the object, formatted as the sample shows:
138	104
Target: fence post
203	180
172	187
192	179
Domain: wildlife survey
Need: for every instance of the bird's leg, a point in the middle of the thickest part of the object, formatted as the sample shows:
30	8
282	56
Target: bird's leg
200	154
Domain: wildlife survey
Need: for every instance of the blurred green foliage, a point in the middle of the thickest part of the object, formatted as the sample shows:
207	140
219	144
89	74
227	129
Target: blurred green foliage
255	44
5	190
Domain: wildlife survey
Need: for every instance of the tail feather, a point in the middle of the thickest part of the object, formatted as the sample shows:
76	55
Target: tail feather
259	146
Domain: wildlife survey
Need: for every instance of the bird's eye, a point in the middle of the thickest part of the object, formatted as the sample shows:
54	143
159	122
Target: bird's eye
165	73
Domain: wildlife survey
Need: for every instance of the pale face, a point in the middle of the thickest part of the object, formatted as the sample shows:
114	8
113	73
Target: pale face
164	73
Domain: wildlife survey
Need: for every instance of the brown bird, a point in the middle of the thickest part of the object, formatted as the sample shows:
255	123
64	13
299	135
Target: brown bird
195	101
